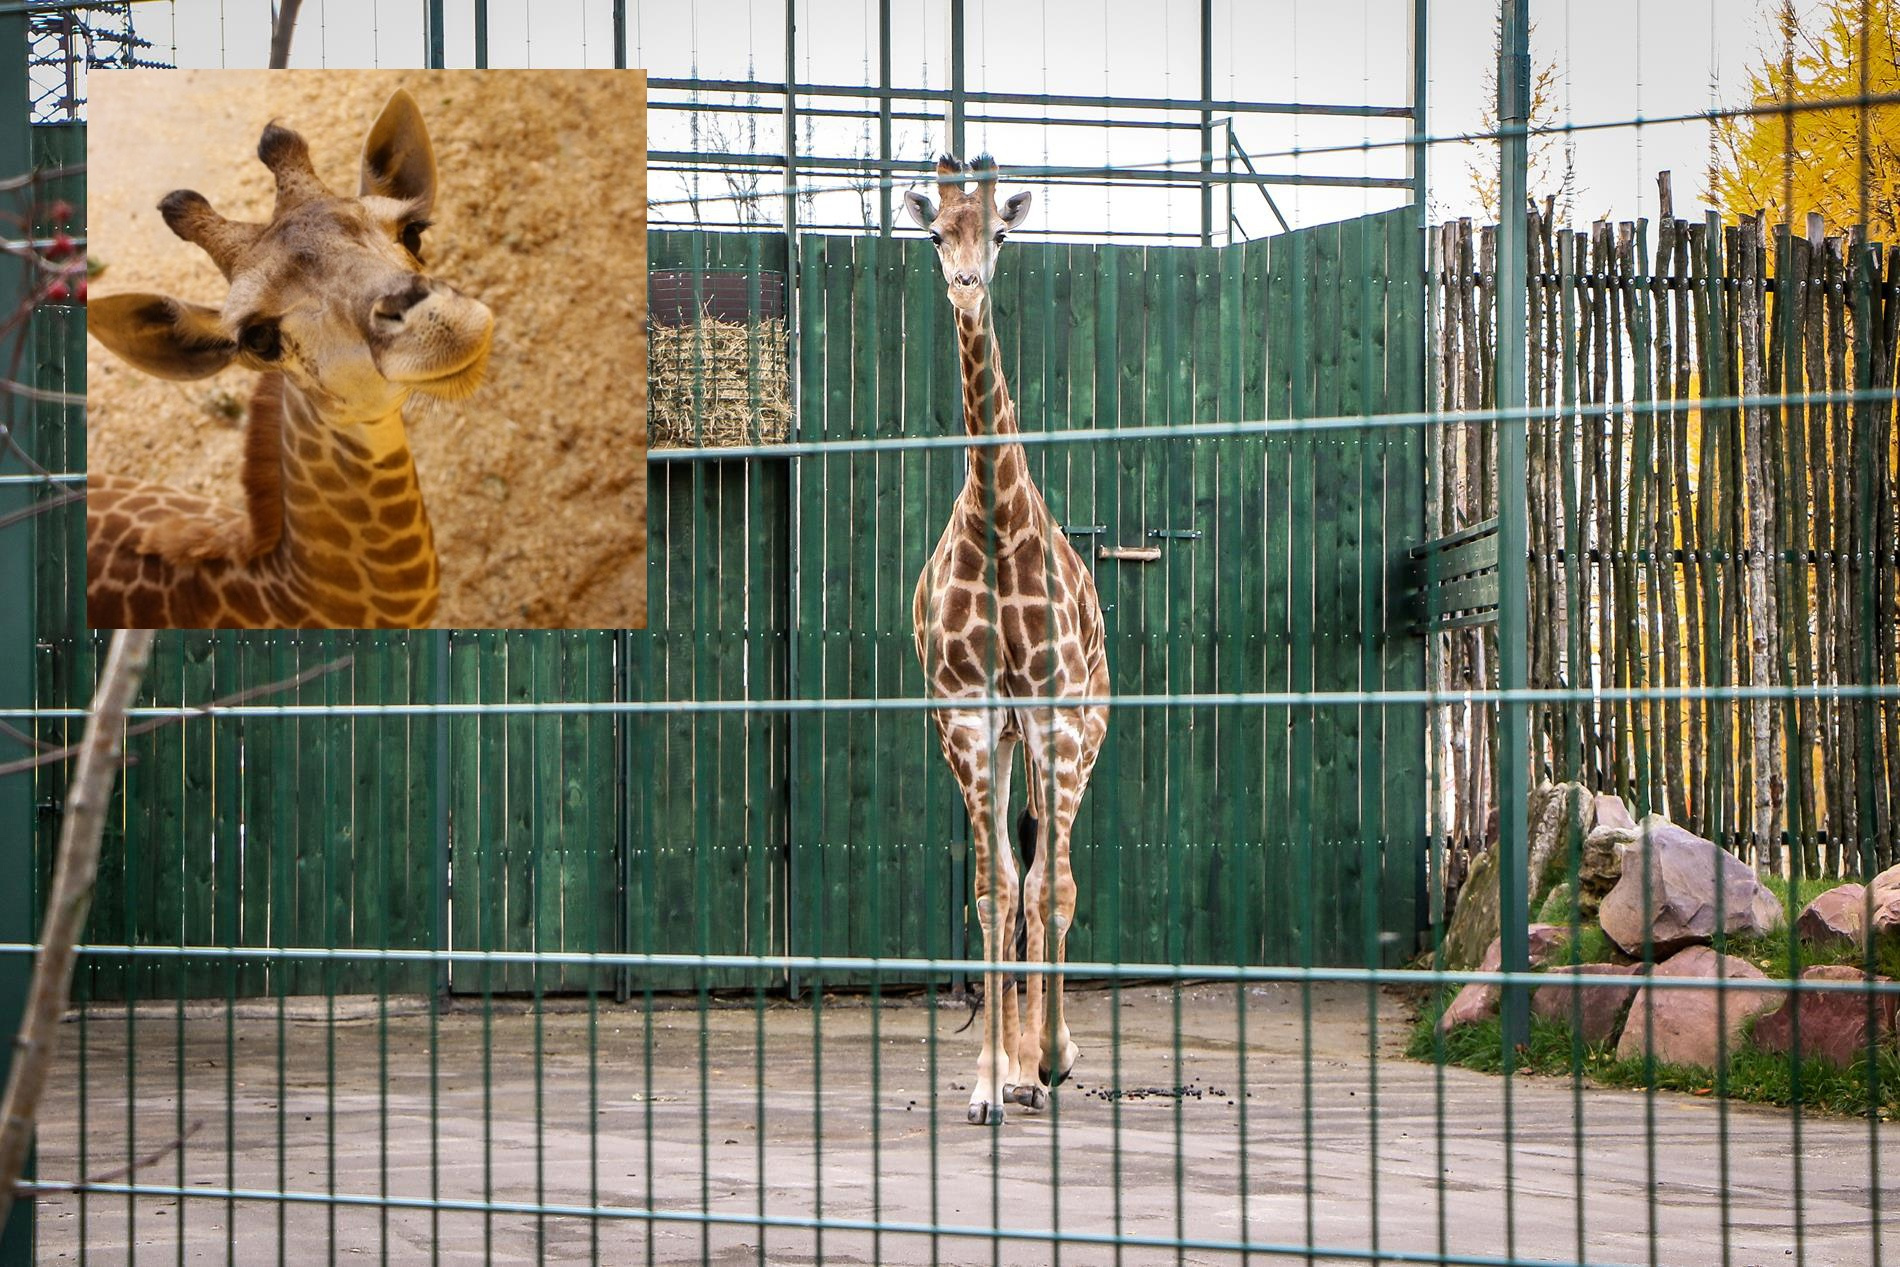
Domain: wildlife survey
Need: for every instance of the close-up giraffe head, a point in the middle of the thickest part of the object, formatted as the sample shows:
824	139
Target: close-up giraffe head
969	227
332	292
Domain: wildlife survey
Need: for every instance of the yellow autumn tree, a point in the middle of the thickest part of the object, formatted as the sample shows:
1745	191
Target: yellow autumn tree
1840	160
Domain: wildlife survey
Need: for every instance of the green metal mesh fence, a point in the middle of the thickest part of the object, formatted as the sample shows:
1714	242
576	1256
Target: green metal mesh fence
661	945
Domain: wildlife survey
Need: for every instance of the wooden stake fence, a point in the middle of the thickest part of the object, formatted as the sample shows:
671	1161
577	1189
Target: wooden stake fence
1681	545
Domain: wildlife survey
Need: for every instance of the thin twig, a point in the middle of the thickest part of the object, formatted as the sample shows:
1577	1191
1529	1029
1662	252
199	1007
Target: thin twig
153	723
36	509
40	1188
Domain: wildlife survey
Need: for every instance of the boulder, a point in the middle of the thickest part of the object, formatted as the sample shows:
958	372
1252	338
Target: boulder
1474	921
1680	912
1598	1009
1684	1026
1834	1025
1602	863
1611	812
1834	918
1479	999
1885	916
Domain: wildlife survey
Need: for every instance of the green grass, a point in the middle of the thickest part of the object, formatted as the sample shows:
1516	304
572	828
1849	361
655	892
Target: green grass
1752	1075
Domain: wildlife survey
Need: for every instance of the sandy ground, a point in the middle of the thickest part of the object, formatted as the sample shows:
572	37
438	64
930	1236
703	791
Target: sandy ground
536	486
1318	1135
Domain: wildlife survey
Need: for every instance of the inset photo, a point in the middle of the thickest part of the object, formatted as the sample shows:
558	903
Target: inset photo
368	349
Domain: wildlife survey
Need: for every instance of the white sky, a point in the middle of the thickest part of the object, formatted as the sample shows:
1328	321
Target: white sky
1617	59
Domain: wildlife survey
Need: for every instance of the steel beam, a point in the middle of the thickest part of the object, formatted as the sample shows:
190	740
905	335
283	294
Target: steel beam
1513	520
19	547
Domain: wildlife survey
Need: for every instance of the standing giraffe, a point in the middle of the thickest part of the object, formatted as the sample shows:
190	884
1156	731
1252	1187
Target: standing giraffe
1006	608
329	301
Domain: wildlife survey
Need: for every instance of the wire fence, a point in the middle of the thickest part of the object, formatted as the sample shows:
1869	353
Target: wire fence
673	944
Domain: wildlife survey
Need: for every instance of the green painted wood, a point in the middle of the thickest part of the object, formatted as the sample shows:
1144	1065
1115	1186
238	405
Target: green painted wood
834	834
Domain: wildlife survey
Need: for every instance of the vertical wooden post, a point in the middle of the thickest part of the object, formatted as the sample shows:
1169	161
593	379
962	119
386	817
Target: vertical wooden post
1513	522
19	547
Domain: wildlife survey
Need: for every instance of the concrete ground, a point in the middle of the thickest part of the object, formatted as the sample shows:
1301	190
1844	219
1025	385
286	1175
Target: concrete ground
1323	1145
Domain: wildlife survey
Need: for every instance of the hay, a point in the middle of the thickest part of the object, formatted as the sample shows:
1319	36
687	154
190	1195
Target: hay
701	388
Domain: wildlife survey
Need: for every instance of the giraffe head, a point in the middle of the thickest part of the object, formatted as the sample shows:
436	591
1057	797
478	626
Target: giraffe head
332	292
969	228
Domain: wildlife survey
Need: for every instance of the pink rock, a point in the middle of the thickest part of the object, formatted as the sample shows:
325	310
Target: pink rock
1886	904
1834	1024
1478	999
1681	893
1685	1027
1601	1006
1611	812
1834	917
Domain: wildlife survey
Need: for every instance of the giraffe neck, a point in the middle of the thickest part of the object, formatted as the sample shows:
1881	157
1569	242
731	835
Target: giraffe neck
355	548
996	485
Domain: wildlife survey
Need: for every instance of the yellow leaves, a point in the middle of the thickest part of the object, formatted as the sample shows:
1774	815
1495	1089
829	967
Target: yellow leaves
1843	160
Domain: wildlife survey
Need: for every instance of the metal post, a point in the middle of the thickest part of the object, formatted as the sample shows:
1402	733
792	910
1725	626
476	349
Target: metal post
884	114
1513	520
433	25
439	811
1207	122
954	105
620	34
1420	152
481	34
18	550
796	476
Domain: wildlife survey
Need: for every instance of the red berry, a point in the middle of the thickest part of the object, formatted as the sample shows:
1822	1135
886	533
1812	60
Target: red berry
61	211
57	292
79	295
61	247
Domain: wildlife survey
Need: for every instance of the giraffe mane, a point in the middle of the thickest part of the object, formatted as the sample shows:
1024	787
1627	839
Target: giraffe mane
229	534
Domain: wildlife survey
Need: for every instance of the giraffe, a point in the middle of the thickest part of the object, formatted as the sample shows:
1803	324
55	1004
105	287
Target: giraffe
1005	607
330	303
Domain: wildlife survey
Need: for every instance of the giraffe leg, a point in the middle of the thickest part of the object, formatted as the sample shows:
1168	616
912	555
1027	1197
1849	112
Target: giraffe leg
1060	748
981	760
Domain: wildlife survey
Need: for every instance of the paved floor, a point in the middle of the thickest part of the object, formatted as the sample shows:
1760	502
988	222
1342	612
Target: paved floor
1313	1149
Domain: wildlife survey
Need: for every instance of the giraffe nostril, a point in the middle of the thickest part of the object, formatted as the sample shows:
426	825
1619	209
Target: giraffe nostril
396	305
966	279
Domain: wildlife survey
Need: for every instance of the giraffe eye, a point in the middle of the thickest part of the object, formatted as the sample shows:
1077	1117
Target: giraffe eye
936	237
412	237
1000	235
263	340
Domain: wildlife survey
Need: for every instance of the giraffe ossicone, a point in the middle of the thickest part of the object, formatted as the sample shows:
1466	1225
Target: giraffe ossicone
329	301
1010	632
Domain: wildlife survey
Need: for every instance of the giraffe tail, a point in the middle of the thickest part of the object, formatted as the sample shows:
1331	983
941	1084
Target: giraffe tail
1026	826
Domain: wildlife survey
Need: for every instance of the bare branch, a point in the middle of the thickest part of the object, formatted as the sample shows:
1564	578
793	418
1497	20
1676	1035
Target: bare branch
40	1188
51	754
75	871
39	508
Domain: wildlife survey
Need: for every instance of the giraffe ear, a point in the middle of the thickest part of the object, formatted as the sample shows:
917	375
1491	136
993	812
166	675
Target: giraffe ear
398	161
922	211
161	335
1016	210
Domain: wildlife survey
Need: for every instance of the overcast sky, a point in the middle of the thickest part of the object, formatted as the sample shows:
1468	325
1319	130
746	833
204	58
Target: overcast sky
1616	60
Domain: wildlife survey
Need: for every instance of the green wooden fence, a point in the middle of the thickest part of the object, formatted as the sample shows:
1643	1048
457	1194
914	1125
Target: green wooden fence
1244	835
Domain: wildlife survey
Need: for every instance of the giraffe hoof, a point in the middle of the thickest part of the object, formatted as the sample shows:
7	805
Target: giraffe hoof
1052	1077
983	1113
1031	1096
